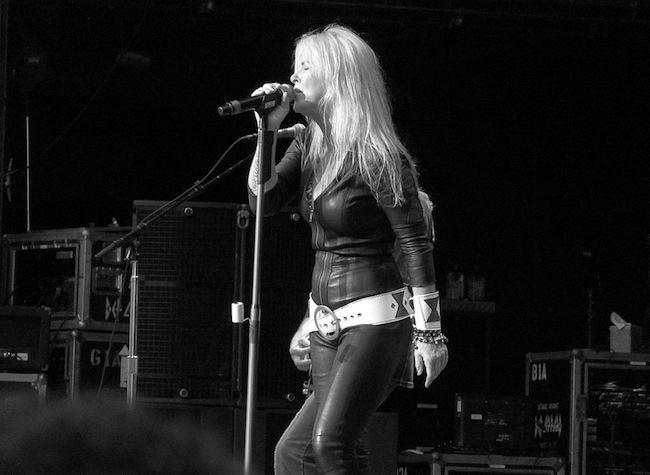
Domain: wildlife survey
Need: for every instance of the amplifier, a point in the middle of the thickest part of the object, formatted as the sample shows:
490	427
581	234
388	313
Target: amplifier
55	268
24	338
493	424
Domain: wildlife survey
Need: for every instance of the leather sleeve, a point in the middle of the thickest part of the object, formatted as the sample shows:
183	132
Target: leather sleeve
288	169
409	226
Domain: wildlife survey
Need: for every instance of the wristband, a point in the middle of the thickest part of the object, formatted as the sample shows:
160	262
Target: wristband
426	311
430	336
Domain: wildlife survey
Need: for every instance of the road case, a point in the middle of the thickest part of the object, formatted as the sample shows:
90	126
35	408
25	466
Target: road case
87	363
593	408
436	463
55	268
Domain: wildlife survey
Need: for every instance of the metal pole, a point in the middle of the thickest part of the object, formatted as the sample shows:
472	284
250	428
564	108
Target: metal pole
4	23
264	145
132	358
28	178
73	365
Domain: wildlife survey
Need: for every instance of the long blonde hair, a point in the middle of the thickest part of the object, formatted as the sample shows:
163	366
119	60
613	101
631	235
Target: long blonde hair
359	135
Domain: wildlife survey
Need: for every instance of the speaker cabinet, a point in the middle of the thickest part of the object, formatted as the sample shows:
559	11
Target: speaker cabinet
228	424
194	262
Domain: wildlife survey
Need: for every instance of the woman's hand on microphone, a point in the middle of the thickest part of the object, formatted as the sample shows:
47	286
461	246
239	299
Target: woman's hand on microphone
276	115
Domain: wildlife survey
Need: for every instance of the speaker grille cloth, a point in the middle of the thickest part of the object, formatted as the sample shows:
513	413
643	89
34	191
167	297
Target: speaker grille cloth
184	328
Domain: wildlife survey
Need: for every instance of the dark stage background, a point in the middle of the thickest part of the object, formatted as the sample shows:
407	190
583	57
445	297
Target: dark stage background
529	121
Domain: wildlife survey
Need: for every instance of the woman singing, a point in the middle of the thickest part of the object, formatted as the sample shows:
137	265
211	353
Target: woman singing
358	191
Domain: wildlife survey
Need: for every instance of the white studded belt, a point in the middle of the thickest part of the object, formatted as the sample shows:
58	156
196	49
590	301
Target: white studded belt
373	310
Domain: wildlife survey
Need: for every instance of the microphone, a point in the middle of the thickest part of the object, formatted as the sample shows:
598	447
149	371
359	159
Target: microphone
262	101
287	133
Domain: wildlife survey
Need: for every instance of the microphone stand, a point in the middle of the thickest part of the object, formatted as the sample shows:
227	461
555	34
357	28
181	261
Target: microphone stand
197	188
265	147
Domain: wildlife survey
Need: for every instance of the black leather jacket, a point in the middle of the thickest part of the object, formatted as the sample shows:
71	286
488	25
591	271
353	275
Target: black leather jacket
352	234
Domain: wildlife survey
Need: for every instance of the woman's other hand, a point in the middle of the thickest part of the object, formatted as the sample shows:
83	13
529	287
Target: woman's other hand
432	358
299	351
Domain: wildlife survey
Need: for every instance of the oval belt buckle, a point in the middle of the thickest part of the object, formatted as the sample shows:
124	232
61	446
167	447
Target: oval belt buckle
326	322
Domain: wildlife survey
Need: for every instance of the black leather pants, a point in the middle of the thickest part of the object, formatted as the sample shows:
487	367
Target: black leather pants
352	376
